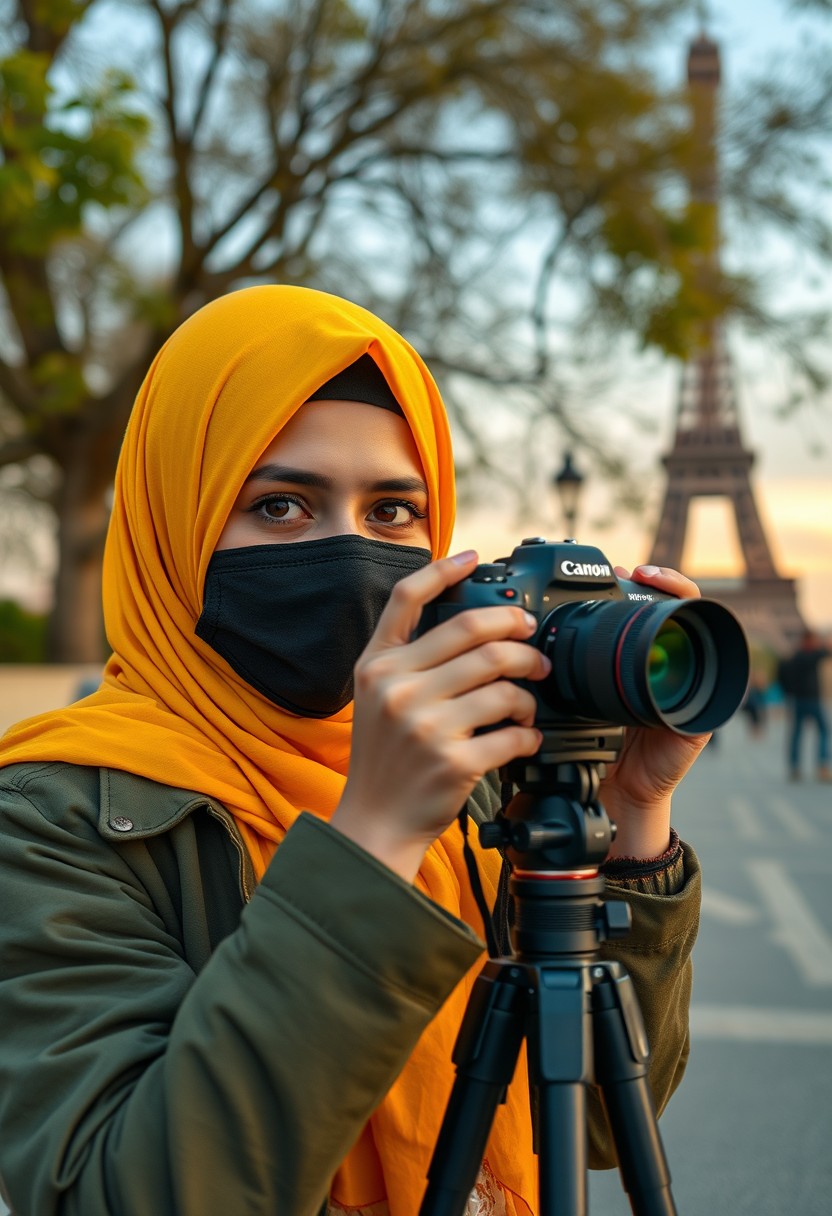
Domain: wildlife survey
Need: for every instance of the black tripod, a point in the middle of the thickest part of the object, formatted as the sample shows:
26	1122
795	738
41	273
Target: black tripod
578	1013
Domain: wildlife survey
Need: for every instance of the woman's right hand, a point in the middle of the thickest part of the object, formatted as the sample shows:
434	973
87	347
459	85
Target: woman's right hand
415	756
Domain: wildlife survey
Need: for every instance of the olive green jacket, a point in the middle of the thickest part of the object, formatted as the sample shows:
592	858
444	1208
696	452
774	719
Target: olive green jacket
177	1042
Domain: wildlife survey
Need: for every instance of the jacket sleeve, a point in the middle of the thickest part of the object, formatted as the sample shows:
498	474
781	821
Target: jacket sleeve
129	1084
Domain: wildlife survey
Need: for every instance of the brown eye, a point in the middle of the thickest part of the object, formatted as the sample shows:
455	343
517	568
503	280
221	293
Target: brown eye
279	509
395	514
388	513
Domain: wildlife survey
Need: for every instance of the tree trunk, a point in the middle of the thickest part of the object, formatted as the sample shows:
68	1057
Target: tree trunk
76	624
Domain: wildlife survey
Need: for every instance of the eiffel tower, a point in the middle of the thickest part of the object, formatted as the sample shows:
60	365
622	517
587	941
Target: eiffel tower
709	457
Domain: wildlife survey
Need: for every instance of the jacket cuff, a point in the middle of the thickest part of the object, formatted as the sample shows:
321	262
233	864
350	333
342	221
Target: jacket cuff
662	875
665	906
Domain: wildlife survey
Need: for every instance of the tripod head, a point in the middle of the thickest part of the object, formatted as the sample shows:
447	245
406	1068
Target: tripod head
554	822
555	834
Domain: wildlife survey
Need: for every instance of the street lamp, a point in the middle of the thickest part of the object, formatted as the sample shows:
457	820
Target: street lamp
569	483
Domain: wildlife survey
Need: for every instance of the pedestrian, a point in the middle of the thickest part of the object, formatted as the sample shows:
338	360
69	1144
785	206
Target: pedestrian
799	676
754	705
238	933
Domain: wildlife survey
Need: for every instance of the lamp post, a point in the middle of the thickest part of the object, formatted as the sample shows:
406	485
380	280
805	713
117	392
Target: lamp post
569	483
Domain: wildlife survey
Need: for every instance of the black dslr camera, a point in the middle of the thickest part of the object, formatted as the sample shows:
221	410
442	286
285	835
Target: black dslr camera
623	654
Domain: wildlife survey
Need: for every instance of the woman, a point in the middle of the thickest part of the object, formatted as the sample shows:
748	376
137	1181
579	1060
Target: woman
195	1019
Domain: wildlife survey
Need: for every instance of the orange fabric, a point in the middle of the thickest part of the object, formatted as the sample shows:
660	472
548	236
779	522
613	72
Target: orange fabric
172	710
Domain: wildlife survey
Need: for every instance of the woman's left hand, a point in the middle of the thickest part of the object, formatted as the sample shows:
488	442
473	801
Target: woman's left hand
637	790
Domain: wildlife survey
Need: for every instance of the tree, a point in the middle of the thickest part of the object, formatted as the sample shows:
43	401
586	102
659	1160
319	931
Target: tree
401	152
64	154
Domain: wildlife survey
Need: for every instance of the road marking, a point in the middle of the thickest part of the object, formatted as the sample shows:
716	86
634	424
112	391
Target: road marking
727	908
748	1024
791	819
746	820
795	927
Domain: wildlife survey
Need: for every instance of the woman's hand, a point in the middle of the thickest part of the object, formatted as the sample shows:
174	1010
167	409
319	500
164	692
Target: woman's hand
637	790
415	757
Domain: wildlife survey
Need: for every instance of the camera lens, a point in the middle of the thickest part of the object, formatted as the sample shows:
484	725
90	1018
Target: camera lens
671	666
681	664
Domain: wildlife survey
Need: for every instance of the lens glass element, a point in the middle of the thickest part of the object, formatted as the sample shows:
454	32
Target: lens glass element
671	666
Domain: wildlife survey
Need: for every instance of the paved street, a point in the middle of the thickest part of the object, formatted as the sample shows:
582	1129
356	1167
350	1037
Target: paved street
749	1130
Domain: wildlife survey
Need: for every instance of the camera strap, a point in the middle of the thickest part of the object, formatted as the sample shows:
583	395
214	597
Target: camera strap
493	923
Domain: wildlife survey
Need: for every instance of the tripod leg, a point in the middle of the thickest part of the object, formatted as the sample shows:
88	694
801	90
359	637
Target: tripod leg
560	1063
485	1056
621	1055
563	1161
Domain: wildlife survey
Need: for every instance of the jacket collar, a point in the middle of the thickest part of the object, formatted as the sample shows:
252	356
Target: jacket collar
135	808
132	807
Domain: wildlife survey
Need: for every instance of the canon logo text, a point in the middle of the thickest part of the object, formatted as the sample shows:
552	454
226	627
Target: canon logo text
592	568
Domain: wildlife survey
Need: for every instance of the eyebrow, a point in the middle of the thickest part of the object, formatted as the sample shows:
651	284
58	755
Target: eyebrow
304	477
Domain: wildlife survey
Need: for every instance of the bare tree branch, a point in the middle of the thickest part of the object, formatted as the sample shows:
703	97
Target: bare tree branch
219	41
181	148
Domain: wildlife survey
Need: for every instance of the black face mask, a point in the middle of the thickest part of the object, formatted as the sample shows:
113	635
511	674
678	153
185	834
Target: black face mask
292	619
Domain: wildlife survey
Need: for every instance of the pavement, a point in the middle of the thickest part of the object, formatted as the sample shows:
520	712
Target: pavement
749	1129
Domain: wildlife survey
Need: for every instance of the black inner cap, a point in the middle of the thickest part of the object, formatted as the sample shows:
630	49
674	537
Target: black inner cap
361	381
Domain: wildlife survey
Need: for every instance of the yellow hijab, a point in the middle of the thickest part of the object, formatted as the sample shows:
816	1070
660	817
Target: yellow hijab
172	710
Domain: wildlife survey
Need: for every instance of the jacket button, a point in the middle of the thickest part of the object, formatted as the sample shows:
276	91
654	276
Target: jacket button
119	823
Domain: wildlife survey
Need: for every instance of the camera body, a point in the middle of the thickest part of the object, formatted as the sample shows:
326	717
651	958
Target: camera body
623	654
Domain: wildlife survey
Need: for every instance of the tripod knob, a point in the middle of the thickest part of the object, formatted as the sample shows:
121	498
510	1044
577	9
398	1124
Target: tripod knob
492	835
524	836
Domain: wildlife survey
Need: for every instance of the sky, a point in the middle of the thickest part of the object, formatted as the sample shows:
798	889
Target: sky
792	476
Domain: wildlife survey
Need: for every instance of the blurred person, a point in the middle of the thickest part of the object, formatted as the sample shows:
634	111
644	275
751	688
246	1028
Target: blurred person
239	933
754	707
799	676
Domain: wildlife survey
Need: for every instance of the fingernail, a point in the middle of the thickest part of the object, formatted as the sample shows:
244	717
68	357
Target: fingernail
649	570
547	663
462	559
531	621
